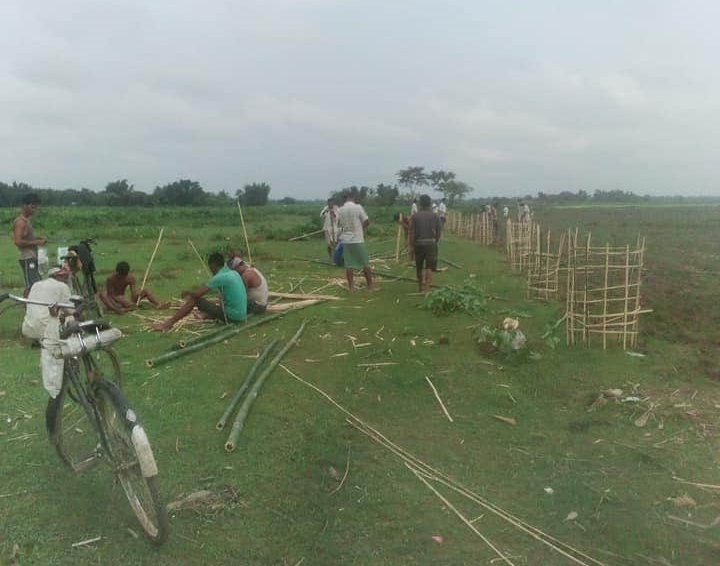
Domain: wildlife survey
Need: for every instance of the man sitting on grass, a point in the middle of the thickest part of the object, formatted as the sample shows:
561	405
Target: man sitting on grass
114	295
233	304
255	283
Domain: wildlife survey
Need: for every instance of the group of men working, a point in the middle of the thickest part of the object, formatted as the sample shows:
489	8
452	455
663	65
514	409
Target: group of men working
243	288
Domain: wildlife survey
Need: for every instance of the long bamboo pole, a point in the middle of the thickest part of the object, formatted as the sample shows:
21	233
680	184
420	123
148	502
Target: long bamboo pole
200	344
253	393
147	269
245	384
302	236
197	253
247	242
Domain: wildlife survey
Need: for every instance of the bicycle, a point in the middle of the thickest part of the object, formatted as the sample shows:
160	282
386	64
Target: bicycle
82	278
90	399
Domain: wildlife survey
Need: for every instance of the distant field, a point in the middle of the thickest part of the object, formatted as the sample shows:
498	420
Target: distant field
305	487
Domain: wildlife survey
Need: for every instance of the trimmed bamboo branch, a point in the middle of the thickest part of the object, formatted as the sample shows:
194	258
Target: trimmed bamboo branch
247	242
147	270
245	407
234	401
437	396
174	354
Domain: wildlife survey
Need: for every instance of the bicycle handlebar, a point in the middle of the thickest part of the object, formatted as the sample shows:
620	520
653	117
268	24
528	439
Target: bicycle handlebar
77	300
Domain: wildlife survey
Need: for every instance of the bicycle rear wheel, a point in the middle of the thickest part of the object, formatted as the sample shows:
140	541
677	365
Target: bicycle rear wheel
70	417
132	458
70	421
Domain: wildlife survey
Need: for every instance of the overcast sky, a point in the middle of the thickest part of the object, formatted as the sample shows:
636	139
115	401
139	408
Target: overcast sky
309	96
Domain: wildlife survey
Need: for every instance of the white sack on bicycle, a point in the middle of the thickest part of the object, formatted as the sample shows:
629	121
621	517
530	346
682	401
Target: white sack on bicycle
51	361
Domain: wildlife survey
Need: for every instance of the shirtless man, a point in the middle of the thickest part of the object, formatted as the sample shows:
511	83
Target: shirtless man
26	241
255	283
114	295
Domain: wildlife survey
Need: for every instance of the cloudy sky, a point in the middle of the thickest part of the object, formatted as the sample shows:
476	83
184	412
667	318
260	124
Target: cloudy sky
309	96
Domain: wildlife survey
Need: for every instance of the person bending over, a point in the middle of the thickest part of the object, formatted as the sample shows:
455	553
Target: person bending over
232	306
113	297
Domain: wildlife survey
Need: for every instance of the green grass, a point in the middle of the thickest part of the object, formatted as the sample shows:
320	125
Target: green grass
278	505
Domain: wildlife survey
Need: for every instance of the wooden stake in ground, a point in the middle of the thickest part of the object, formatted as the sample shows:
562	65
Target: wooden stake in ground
245	407
234	401
147	269
247	242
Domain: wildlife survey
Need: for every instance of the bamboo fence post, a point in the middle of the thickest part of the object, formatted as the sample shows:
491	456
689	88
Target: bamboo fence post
147	269
605	296
253	393
199	345
245	384
247	242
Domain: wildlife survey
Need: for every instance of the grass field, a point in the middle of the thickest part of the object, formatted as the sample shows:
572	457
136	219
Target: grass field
306	487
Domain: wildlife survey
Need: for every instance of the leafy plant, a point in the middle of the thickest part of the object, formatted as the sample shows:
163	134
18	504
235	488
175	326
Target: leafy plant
469	299
508	340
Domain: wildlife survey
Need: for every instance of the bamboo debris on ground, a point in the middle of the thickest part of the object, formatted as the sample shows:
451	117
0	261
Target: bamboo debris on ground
245	384
147	269
573	554
253	393
347	466
437	396
302	236
247	242
199	345
293	287
450	263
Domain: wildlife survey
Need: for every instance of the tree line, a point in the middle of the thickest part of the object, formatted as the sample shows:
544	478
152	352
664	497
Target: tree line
183	192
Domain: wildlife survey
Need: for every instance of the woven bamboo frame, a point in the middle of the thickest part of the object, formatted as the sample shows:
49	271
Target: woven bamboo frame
479	227
543	267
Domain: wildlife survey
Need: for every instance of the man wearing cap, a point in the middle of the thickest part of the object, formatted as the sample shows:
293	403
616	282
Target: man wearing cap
54	289
233	304
26	241
255	283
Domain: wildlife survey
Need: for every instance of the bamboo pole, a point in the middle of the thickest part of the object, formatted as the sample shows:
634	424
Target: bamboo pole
302	296
397	241
147	269
245	384
300	237
247	242
197	253
200	344
253	393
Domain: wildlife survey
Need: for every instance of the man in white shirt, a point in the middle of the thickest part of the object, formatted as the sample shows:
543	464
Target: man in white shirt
54	289
442	210
353	221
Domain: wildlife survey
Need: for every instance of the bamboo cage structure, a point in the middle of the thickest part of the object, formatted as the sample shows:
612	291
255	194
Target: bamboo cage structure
603	292
543	267
519	243
479	226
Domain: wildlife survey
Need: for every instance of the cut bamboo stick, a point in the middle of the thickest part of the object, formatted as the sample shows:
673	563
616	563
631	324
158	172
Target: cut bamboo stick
147	269
302	236
245	384
202	261
284	307
253	393
247	242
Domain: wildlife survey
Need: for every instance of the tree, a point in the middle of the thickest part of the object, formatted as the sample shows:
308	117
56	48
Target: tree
119	193
254	194
454	191
386	195
412	178
439	178
180	193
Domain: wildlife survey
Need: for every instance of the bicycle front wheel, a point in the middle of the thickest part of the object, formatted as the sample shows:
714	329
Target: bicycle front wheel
132	457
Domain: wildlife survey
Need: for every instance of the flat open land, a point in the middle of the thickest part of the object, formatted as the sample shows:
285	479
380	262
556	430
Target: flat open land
531	470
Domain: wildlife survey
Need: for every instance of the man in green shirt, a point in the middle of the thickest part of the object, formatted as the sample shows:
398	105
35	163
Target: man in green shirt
232	306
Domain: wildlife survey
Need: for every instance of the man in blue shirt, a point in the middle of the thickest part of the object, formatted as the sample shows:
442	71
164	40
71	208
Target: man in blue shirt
233	304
